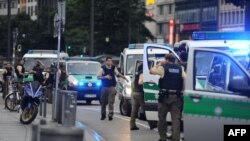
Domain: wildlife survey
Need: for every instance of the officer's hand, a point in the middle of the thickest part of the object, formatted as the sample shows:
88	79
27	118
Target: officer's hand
108	77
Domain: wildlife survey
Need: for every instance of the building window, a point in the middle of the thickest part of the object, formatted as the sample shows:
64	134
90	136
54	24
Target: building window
28	10
31	10
4	5
0	5
36	12
160	28
170	9
161	9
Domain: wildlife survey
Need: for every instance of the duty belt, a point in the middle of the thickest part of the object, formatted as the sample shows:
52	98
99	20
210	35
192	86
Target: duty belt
170	92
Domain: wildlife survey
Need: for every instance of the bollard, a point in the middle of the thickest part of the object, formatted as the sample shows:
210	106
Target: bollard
35	132
69	101
48	133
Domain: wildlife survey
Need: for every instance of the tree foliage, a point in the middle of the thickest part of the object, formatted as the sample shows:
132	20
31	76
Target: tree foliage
111	22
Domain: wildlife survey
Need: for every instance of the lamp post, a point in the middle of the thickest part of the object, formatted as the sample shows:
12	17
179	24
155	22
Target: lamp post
60	21
9	28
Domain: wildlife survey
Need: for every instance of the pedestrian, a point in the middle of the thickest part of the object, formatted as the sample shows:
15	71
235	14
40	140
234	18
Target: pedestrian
8	72
172	78
20	73
107	74
137	97
38	72
20	70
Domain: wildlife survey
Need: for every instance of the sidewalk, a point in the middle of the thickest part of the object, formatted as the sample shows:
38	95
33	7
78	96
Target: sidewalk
12	130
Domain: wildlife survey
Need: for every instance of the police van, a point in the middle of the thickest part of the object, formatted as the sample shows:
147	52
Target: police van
46	56
126	66
82	77
217	89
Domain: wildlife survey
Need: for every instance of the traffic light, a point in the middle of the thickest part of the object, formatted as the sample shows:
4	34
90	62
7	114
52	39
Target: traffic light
69	47
19	48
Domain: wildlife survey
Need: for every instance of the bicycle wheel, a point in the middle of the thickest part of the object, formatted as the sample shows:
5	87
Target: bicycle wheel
12	101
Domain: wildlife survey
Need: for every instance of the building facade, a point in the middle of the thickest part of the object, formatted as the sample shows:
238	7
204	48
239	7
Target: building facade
195	15
162	11
4	7
32	7
231	18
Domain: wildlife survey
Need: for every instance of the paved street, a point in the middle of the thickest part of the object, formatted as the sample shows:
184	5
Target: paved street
88	117
115	130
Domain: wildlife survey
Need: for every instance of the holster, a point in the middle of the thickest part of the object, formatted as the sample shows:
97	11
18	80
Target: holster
162	96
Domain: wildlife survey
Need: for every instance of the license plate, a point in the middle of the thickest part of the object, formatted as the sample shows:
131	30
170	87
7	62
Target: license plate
90	95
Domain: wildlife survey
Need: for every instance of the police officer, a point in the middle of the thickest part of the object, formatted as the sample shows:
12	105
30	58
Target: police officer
62	76
38	72
171	88
137	97
107	74
8	72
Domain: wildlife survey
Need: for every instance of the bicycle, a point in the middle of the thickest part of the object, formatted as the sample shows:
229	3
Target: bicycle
13	100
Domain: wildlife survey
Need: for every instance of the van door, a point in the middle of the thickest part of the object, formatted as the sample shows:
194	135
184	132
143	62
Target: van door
217	93
152	53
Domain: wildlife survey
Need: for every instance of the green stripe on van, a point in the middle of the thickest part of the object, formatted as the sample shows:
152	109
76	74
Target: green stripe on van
211	107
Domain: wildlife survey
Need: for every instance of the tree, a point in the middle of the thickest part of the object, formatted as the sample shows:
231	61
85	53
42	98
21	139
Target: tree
111	22
246	4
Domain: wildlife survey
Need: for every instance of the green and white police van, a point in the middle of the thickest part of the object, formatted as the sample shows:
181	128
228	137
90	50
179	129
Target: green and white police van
127	63
217	89
46	56
82	77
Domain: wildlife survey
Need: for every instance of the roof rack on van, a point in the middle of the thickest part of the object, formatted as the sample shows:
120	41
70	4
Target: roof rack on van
201	35
42	52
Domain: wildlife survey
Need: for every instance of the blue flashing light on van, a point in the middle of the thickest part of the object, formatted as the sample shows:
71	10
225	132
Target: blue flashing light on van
221	35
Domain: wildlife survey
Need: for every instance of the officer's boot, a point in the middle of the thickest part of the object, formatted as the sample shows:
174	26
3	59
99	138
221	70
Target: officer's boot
103	117
110	116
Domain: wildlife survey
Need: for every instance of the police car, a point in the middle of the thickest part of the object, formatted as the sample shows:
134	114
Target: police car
82	77
217	86
46	56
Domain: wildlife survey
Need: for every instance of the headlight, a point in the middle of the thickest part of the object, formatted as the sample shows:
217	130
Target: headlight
99	83
73	83
128	90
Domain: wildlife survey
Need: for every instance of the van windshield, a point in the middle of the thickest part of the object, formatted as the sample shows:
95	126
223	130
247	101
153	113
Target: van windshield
131	59
31	62
83	68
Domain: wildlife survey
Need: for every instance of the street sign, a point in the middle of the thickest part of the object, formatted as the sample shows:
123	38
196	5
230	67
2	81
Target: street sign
61	10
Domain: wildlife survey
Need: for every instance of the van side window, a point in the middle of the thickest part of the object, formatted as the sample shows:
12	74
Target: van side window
211	72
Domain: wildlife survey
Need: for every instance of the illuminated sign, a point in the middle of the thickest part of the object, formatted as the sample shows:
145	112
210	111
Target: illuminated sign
171	32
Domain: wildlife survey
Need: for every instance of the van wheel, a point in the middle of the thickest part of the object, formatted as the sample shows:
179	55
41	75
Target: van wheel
125	109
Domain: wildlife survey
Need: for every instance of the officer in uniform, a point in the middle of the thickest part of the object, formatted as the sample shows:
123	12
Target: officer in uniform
107	74
38	72
171	84
137	97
